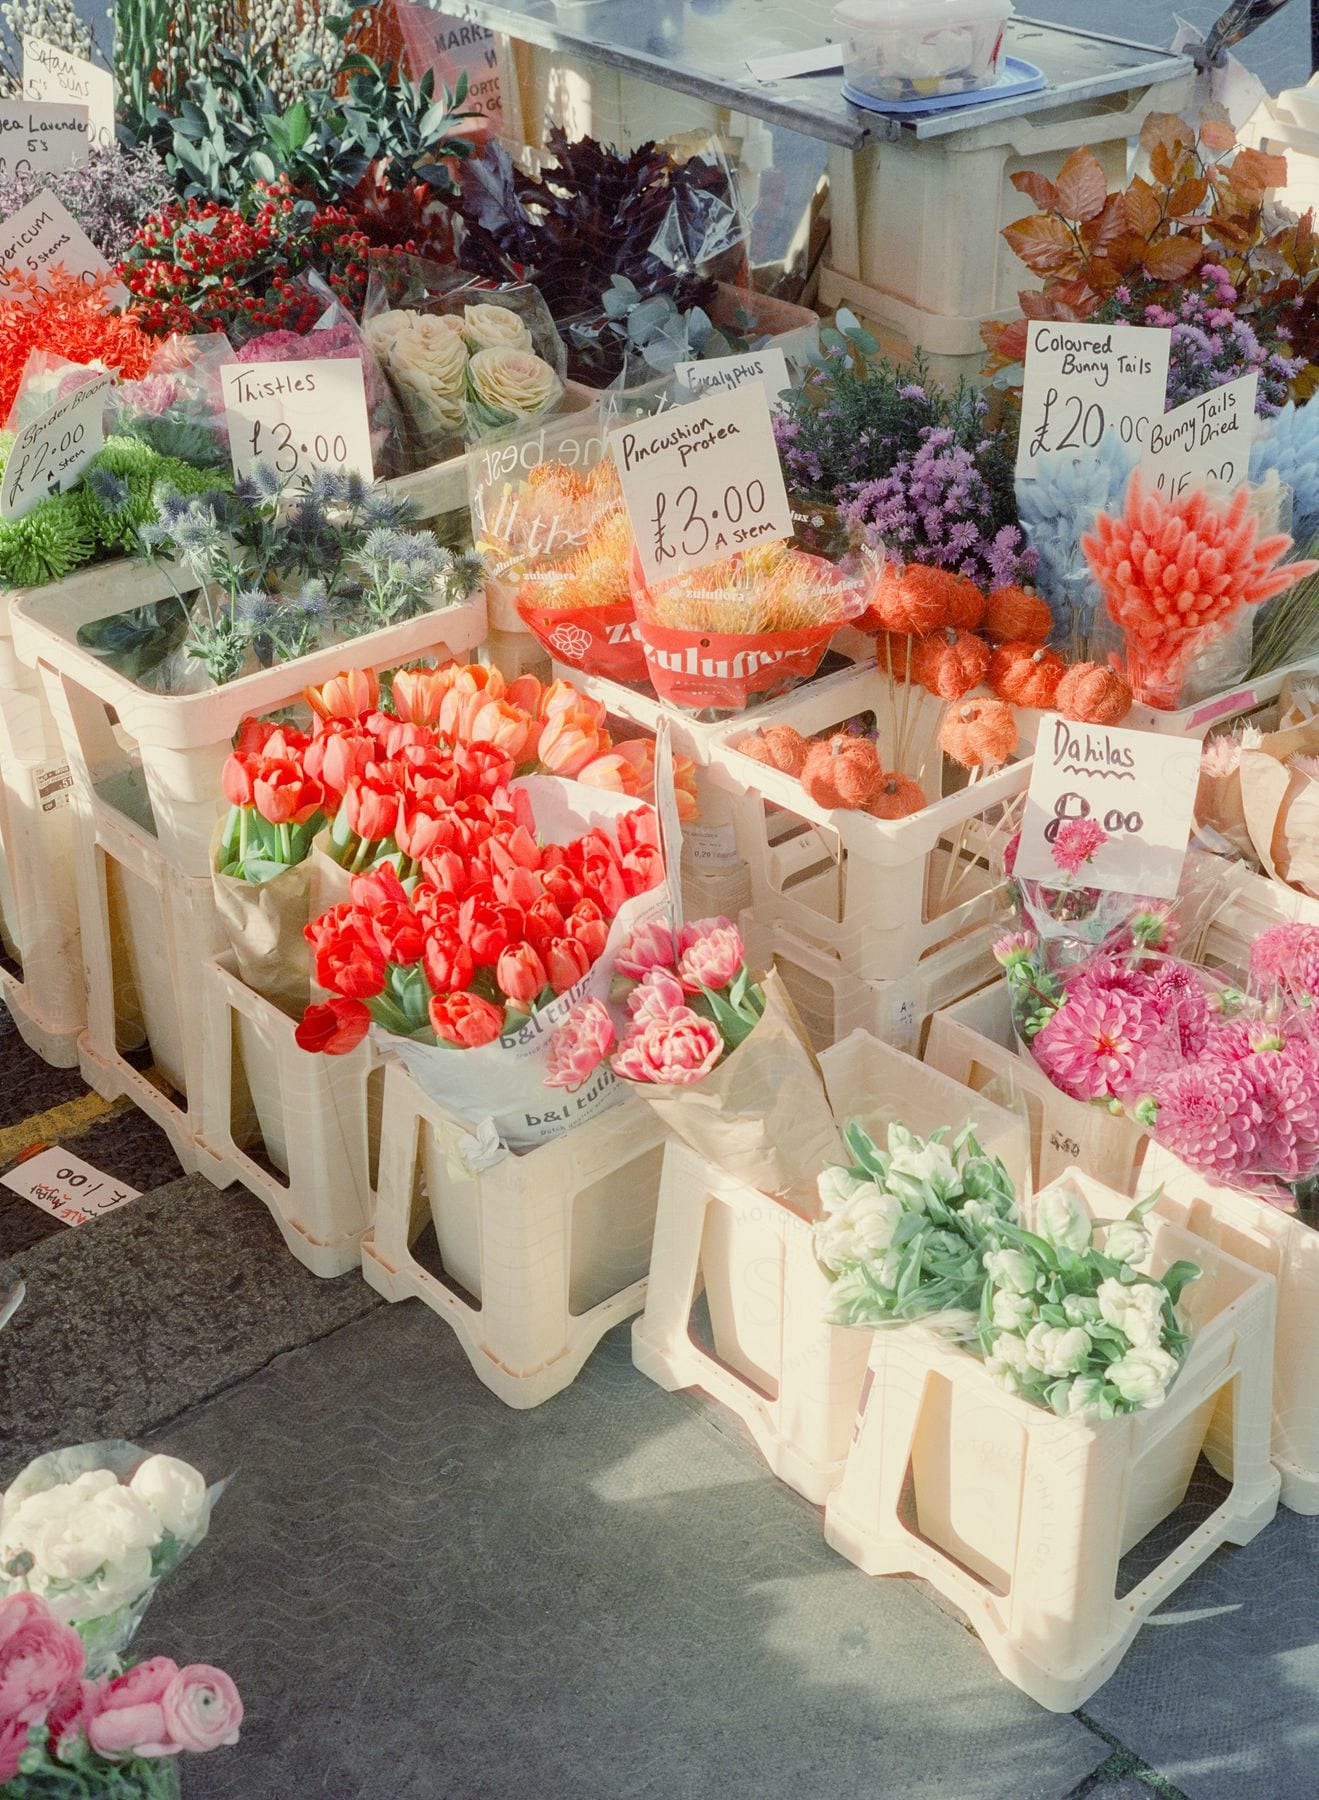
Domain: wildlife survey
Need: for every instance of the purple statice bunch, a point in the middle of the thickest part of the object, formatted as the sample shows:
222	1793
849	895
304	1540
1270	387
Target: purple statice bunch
109	194
937	505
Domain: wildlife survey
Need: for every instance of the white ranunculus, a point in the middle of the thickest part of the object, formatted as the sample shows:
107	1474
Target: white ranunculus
1062	1219
1127	1242
111	1525
488	327
1136	1309
1080	1309
118	1583
861	1230
44	1515
1011	1269
1012	1312
836	1187
174	1491
1004	1374
1142	1376
1010	1351
930	1164
1084	1397
1057	1349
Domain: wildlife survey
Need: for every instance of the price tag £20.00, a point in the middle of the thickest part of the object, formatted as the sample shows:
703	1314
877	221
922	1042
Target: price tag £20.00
50	454
1137	787
1084	382
297	417
702	481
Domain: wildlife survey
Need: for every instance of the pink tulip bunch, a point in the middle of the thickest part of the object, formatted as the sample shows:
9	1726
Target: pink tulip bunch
61	1733
687	1003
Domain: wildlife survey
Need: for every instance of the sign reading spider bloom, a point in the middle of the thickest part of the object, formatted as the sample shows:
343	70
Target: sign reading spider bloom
1119	802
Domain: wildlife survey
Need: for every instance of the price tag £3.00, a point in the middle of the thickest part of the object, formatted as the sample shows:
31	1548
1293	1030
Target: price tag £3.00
1137	787
702	481
1083	382
50	454
298	417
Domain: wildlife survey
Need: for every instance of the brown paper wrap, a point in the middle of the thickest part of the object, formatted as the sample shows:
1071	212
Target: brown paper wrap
762	1115
1281	808
263	922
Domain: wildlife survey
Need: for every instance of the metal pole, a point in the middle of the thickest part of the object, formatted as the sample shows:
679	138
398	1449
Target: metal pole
1314	34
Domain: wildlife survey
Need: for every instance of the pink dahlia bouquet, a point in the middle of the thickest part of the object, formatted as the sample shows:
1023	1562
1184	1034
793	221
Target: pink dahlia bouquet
1244	1108
720	1054
65	1737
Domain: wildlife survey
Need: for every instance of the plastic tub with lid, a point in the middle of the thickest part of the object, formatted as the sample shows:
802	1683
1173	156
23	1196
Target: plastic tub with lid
920	49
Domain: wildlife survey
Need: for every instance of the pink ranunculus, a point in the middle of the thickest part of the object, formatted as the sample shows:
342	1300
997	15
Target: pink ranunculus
39	1659
675	1051
650	947
202	1708
68	1720
131	1718
580	1045
657	996
711	953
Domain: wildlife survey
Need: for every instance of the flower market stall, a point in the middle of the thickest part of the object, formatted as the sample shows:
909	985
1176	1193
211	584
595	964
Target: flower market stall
607	762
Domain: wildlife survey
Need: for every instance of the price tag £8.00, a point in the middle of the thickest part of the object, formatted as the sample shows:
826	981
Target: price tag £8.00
701	482
297	417
50	454
1085	382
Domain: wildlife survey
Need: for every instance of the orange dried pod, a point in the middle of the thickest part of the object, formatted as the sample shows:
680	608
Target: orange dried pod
949	664
1013	615
978	734
898	797
966	604
1093	694
785	748
756	748
1026	674
913	602
842	771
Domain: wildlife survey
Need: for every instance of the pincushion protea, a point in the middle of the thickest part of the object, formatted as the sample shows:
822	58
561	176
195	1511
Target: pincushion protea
1175	574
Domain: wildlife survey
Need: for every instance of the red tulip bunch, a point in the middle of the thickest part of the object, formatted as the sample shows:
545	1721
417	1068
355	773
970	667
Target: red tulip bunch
497	926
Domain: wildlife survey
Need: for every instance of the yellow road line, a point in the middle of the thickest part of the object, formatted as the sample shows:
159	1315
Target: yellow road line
57	1124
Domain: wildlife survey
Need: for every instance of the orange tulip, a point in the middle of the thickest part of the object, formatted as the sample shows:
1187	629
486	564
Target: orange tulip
418	693
526	692
506	727
345	696
562	696
570	740
612	772
477	678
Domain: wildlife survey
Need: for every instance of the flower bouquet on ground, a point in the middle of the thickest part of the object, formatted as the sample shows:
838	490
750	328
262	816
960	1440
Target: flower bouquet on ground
93	1531
526	897
926	1231
720	1056
67	1736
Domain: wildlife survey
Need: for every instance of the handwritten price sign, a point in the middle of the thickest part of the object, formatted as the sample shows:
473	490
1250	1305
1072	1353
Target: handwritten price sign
51	453
66	1187
36	138
298	417
1137	786
1205	440
702	481
1083	382
53	74
44	235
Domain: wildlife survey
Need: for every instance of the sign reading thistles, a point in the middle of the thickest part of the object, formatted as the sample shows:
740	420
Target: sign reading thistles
297	417
1108	809
702	482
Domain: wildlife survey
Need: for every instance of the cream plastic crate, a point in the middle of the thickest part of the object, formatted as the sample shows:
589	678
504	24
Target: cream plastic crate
791	1378
542	1252
916	246
1238	704
972	1042
310	1114
832	1004
879	894
1021	1519
146	933
1286	1248
41	982
162	754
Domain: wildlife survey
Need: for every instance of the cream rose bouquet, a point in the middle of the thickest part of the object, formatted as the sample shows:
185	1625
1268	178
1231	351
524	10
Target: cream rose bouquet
506	386
425	358
94	1530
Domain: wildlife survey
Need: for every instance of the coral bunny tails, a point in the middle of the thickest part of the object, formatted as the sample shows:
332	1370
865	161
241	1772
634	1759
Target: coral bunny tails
1175	574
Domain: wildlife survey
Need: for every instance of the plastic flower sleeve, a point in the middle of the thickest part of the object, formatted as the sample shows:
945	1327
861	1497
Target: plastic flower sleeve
177	407
106	1604
46	378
